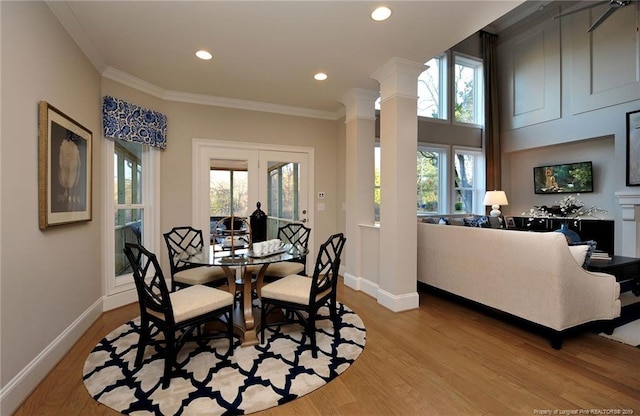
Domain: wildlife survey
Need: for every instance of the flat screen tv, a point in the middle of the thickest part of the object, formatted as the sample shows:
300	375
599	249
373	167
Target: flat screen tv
565	178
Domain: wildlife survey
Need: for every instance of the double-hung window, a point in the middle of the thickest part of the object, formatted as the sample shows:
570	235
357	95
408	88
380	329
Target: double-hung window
128	199
131	192
431	188
469	180
449	178
431	180
468	90
432	89
376	183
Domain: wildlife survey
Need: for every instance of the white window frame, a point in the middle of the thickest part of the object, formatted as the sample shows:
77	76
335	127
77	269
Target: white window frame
477	64
120	290
479	175
443	87
376	148
443	173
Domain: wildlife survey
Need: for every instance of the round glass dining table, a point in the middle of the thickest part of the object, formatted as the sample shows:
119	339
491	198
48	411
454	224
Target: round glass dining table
248	264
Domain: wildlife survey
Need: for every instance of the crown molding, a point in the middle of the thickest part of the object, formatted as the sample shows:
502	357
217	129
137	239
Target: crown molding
71	24
183	97
248	105
68	20
133	82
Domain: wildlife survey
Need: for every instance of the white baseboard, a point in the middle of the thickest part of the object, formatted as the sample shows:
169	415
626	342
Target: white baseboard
398	303
119	299
361	284
19	388
351	281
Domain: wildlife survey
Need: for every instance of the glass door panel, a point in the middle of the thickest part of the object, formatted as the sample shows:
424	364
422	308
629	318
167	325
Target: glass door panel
228	190
280	180
283	177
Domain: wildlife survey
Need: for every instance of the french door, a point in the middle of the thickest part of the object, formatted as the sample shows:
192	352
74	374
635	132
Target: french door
279	177
282	184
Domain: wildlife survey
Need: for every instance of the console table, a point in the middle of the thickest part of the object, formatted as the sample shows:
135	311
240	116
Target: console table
625	269
601	231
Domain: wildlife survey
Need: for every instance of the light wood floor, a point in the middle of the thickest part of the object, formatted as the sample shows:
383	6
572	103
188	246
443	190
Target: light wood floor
441	359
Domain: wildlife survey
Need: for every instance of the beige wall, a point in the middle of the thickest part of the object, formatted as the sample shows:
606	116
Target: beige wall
51	281
48	278
186	122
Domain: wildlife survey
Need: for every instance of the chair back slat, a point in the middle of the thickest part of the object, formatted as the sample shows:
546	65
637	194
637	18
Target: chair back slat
325	274
151	286
180	241
295	233
298	235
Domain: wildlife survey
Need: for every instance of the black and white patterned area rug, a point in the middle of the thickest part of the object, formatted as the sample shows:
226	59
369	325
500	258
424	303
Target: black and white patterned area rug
627	330
256	378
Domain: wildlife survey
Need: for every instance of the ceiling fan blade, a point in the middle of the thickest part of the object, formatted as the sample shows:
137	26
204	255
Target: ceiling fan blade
600	3
601	19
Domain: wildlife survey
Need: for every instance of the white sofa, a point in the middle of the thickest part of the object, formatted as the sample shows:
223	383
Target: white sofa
530	275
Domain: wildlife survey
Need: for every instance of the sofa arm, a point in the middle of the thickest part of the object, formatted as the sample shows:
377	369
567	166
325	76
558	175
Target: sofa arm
593	296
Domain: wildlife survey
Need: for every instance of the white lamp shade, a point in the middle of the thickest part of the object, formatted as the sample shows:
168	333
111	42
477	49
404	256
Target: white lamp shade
495	198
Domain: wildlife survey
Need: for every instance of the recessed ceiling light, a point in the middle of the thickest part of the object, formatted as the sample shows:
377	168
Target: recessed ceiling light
320	76
204	55
381	13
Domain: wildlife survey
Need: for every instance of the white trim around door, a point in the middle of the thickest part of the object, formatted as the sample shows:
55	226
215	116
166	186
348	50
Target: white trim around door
203	150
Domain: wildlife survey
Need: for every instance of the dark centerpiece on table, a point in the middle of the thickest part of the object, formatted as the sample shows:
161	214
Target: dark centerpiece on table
568	209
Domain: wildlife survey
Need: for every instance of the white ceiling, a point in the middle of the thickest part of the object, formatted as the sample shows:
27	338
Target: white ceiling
265	51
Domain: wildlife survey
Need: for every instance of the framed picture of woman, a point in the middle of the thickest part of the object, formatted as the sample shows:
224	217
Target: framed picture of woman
64	168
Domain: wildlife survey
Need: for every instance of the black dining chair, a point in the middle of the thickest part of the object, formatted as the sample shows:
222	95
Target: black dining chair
179	315
301	297
182	243
297	235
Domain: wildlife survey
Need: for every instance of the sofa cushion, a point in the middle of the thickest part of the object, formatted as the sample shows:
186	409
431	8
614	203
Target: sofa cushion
582	252
470	221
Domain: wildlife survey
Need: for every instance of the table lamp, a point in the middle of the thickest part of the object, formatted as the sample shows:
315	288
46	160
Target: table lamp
495	199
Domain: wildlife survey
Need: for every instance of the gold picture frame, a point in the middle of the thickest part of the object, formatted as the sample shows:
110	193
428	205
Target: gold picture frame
64	168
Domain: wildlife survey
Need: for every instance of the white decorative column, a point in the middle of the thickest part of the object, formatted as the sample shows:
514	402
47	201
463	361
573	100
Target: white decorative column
630	202
360	131
398	80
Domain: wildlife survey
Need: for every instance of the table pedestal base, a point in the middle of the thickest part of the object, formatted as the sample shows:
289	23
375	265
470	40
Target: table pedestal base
246	318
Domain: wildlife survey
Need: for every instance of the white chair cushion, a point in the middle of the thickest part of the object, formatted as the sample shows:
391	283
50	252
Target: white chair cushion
200	275
292	288
197	300
284	268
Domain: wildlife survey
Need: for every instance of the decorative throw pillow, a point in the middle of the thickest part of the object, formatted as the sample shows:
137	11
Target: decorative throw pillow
470	221
483	222
582	252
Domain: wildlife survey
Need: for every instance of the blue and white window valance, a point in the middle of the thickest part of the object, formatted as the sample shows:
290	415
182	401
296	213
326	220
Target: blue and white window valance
125	121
